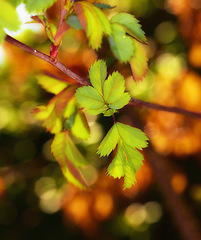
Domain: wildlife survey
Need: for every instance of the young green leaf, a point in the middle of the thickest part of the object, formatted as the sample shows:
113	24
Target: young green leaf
69	158
89	98
80	128
138	62
131	136
113	90
9	18
93	21
131	25
109	142
121	45
125	164
127	159
38	6
97	75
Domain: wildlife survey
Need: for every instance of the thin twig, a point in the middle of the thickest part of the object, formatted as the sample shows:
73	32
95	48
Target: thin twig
82	81
48	59
158	107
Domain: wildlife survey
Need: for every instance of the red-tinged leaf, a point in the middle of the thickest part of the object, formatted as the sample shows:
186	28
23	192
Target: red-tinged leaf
94	23
63	28
62	99
69	158
138	62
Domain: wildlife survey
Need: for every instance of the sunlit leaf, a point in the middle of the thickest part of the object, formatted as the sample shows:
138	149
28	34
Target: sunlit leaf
127	159
8	18
97	75
89	98
131	25
122	45
69	158
2	35
131	136
48	115
38	6
80	128
51	84
113	90
109	142
94	23
138	62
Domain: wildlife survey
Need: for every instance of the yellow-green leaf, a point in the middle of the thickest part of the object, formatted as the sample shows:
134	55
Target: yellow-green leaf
69	158
93	21
50	84
80	128
122	45
138	62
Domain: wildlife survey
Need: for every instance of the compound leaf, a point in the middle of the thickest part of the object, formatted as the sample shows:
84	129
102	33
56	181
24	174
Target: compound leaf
120	102
138	62
109	142
131	25
89	98
97	75
93	21
122	45
69	158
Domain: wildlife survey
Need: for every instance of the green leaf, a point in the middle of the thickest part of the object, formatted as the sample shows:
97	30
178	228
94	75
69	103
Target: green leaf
131	25
109	142
102	6
89	98
74	22
113	90
97	75
69	158
8	17
125	164
138	62
116	168
51	84
80	128
131	136
122	45
94	23
127	159
38	6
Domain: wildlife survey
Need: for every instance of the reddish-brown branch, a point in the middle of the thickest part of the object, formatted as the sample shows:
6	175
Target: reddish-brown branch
158	107
82	81
48	59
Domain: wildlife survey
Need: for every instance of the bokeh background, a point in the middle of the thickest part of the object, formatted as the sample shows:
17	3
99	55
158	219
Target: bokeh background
36	202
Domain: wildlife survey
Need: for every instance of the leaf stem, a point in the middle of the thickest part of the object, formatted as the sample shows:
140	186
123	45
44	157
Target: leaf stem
135	102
